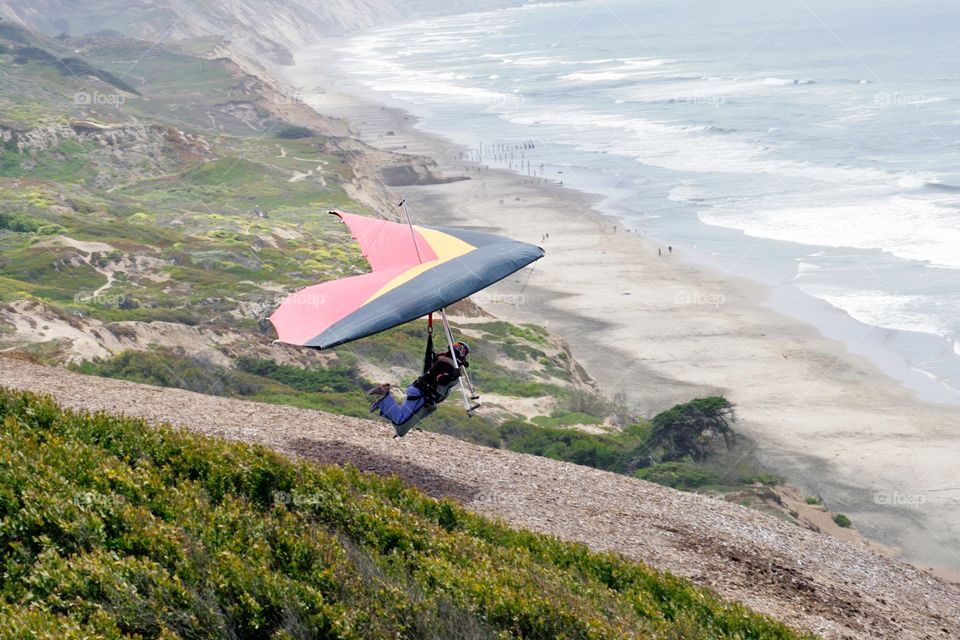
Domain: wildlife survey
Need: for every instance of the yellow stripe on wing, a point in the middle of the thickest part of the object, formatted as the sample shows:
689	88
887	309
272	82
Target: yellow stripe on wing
443	244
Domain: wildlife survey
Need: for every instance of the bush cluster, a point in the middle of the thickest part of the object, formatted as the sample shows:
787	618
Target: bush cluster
20	223
165	368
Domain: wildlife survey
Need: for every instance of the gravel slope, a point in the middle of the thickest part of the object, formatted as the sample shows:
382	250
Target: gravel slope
806	579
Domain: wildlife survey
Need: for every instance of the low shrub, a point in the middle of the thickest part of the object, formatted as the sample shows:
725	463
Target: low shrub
685	476
842	521
294	132
167	369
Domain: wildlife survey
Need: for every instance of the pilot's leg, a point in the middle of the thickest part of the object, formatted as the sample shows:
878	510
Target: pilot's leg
399	414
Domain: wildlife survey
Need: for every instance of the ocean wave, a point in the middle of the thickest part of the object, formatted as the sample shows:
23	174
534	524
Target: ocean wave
783	82
900	312
804	267
910	228
678	147
623	70
540	61
912	181
683	88
940	186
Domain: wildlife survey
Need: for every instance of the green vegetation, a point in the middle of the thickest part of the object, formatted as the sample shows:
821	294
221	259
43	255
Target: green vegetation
165	369
842	521
23	55
342	376
115	529
685	476
618	452
566	419
812	500
293	132
336	389
692	429
505	330
689	476
78	67
639	449
20	223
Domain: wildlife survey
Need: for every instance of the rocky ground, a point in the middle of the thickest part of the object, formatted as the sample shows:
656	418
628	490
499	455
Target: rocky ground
804	578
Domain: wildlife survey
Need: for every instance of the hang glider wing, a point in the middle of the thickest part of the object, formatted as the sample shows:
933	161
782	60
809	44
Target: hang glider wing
455	264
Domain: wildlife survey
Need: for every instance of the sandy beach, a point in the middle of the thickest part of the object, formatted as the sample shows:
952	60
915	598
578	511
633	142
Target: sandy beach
655	328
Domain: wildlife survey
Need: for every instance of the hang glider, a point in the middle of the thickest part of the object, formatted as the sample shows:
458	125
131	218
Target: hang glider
416	270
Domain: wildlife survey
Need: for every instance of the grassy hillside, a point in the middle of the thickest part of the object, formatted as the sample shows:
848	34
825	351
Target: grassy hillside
116	529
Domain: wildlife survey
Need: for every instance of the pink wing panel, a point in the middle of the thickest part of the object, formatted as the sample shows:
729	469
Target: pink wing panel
310	311
385	244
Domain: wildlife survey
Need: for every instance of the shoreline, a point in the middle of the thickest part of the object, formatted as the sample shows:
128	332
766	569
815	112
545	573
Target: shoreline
656	330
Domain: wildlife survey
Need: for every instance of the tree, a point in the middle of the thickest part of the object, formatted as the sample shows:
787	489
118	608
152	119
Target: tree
692	429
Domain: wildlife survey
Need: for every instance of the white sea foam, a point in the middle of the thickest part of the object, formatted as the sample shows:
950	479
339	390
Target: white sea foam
909	227
913	181
807	268
682	87
427	85
677	147
883	309
539	61
622	70
685	193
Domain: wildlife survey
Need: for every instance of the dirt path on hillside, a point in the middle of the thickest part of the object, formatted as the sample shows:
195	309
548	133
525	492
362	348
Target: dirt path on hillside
803	578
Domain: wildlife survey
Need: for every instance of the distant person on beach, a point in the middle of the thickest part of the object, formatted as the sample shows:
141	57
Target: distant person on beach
659	251
670	249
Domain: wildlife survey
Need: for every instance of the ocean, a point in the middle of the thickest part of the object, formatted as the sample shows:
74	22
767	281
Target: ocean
811	146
